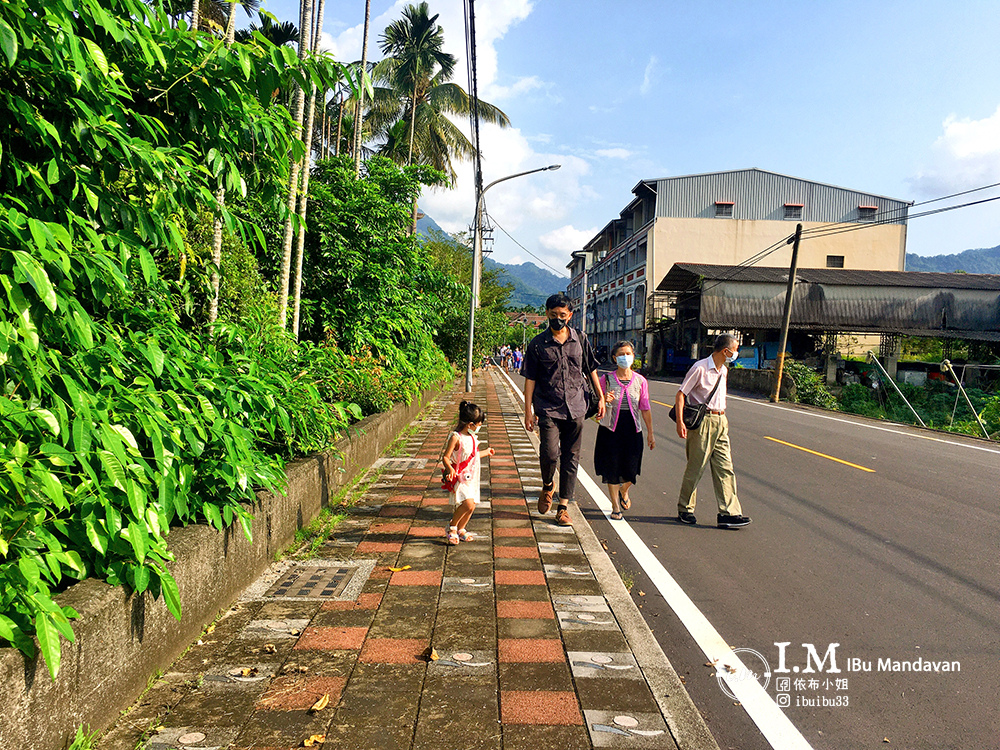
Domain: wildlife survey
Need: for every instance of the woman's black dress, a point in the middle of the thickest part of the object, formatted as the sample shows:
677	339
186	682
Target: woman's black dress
618	454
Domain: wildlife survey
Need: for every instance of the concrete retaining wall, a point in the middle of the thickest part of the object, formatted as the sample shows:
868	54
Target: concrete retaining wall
123	639
760	381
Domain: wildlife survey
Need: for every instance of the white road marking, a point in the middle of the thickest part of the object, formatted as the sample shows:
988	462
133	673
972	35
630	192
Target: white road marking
772	722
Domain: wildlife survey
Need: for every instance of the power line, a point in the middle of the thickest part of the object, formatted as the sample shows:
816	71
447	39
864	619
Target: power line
497	225
892	216
839	228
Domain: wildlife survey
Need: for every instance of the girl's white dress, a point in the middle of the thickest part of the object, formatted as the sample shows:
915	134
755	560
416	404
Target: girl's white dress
467	486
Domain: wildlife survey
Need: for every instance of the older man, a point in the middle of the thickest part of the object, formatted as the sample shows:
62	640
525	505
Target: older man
709	444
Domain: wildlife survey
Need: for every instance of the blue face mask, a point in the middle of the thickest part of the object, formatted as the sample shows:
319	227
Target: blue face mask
625	360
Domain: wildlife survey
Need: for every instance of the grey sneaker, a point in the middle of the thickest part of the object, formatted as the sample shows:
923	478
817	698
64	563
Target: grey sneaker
727	521
688	518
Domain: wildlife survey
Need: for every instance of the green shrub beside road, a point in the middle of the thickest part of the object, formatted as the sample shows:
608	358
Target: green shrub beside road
121	413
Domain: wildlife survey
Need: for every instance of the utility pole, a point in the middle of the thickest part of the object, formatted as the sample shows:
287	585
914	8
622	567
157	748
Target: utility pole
779	365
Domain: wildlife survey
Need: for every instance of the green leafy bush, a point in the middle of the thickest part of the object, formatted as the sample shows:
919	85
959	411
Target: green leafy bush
117	422
810	387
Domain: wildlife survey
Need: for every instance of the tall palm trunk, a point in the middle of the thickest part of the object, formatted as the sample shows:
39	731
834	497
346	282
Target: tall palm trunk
305	28
340	123
413	119
304	195
220	198
361	93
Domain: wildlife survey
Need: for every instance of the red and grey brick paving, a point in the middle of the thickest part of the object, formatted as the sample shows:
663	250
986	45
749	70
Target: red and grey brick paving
526	652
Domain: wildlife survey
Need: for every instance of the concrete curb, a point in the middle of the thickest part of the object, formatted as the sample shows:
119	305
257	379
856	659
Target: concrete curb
123	639
686	723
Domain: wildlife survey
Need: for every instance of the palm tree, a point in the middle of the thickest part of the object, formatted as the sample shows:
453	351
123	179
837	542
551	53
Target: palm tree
416	77
413	46
278	34
361	93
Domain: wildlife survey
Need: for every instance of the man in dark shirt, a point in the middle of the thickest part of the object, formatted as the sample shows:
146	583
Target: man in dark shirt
557	364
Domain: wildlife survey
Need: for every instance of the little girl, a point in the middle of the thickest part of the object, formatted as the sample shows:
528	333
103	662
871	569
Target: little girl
461	469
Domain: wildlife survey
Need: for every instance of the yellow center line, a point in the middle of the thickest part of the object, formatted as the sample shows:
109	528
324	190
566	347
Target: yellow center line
822	455
660	402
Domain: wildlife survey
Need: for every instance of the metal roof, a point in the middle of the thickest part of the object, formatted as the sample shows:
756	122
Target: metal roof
648	182
683	276
949	305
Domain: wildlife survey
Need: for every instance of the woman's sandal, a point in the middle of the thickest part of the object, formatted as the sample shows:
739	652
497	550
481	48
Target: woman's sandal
453	536
617	516
467	536
624	500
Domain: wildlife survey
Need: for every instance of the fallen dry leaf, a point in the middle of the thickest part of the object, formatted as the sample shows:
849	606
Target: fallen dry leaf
396	570
642	593
431	654
316	739
294	632
270	648
731	670
321	703
885	739
210	628
249	671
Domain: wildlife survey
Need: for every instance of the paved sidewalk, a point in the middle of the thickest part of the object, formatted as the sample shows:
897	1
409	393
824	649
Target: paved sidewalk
539	644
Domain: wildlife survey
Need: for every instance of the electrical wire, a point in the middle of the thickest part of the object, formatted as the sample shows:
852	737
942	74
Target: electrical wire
557	272
892	216
839	228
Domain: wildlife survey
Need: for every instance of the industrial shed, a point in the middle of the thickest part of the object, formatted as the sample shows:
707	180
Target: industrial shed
945	305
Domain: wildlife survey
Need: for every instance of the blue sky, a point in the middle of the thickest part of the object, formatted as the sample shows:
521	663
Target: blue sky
893	98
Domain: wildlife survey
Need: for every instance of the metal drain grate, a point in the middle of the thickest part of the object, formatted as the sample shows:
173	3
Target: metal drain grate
312	582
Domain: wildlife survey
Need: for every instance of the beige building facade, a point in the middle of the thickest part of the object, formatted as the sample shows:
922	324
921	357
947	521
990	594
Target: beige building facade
726	218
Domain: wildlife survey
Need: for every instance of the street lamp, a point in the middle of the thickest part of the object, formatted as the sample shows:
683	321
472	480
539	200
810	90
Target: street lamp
477	262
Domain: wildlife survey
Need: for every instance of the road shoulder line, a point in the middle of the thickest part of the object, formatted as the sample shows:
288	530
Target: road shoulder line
686	723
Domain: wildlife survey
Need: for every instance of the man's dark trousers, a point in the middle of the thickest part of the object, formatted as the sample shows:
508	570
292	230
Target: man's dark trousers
559	442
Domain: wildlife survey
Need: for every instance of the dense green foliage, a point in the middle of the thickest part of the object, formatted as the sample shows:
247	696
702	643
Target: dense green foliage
452	255
118	419
810	387
935	402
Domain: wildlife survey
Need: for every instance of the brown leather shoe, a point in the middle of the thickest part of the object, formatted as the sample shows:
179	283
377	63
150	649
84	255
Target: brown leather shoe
562	517
545	500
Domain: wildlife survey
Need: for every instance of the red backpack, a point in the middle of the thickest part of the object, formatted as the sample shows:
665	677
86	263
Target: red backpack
449	486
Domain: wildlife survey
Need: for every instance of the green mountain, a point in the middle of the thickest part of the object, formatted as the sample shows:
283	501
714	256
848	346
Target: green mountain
984	260
531	285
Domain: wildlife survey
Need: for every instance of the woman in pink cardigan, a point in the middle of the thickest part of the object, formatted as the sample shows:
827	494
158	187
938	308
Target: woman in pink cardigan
618	451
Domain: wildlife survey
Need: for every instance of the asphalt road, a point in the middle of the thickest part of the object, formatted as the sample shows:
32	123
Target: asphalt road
895	564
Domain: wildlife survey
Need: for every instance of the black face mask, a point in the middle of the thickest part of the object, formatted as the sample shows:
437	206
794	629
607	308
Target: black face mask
557	324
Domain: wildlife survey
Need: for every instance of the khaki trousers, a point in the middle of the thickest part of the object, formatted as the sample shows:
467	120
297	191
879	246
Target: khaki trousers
709	445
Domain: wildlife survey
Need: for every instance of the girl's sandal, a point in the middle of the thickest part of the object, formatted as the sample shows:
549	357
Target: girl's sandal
453	536
466	536
624	500
617	516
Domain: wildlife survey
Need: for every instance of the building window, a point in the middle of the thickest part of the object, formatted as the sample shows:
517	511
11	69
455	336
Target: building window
834	261
867	213
724	209
793	210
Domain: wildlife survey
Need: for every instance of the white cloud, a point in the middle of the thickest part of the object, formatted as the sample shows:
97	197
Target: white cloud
614	153
648	76
567	239
497	93
966	155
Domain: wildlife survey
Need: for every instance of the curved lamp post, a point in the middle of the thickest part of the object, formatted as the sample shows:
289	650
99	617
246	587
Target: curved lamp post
477	263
